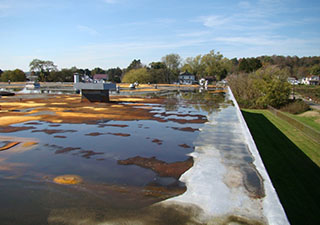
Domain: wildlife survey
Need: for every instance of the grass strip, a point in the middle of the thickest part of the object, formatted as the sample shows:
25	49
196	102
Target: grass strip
310	121
287	155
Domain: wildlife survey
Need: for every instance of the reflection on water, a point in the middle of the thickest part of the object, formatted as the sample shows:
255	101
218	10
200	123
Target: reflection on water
122	165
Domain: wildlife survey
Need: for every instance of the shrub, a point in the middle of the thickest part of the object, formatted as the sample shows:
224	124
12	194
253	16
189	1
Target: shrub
266	86
296	107
140	75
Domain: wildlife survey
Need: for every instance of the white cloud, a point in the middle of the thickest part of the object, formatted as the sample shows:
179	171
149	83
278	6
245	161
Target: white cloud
213	21
261	41
88	30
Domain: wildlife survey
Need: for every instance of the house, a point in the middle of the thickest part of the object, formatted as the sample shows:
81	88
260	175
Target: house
293	80
311	80
186	78
100	78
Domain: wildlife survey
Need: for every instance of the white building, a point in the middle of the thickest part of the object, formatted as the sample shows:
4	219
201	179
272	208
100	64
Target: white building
186	78
293	80
311	80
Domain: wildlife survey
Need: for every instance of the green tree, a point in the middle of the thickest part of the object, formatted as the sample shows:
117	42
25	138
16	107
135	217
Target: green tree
273	86
266	86
97	70
140	75
173	62
215	65
159	72
114	74
15	75
315	70
42	68
5	76
249	65
65	75
194	66
135	64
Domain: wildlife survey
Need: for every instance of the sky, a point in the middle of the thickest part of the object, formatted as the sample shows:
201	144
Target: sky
111	33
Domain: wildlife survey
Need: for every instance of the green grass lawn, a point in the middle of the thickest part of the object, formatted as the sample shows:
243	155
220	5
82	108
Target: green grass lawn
292	161
310	121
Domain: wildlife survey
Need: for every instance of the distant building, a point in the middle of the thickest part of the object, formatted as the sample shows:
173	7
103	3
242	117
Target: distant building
31	76
186	78
100	77
311	80
293	80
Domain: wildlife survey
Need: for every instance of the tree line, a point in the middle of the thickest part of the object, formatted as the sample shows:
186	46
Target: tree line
212	66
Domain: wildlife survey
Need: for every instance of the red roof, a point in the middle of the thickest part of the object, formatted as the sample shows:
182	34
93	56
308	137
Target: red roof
100	77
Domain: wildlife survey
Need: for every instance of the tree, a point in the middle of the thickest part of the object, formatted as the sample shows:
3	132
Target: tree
159	72
173	62
42	68
87	72
15	75
5	76
215	65
315	70
266	86
65	75
114	74
273	86
135	64
194	66
97	70
249	65
140	75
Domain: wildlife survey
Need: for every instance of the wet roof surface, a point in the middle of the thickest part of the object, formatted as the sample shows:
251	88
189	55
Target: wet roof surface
178	157
126	154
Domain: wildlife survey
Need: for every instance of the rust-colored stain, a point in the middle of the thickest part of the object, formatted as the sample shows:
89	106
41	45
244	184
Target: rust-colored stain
187	129
68	179
65	150
113	125
119	134
184	121
163	192
53	131
95	134
59	136
10	129
9	145
184	146
157	141
30	143
72	110
33	123
164	169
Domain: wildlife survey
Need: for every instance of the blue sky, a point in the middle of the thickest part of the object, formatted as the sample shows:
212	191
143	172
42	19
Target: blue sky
110	33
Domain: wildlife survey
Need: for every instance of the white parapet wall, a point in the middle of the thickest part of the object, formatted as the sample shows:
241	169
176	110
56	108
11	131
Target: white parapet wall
228	180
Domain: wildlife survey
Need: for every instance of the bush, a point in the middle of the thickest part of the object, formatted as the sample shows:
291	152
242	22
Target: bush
266	86
296	107
140	75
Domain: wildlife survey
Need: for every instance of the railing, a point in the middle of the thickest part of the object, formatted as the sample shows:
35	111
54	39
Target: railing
310	132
